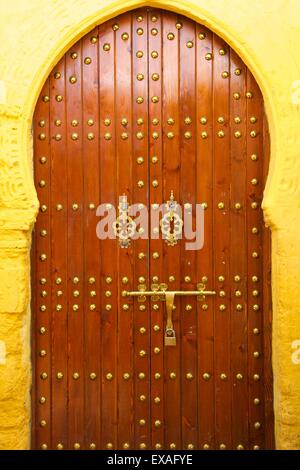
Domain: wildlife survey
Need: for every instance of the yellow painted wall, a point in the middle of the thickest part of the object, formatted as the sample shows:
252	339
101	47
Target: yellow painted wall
34	35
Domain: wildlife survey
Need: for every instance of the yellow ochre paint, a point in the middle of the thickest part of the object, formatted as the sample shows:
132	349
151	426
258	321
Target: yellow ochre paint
34	35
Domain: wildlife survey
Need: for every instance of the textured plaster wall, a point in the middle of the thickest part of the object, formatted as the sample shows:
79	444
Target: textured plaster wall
33	36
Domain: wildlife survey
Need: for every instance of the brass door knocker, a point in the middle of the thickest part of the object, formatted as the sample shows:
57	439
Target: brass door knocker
171	222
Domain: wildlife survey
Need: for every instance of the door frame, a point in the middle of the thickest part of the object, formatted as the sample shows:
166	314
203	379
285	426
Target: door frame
19	204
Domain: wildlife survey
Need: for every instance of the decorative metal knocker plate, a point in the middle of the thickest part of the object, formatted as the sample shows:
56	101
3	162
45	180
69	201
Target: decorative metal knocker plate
124	227
171	222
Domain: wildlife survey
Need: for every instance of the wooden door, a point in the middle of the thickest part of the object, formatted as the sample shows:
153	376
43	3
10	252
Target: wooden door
145	104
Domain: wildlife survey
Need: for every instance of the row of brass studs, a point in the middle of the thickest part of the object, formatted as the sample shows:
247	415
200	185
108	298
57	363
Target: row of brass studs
140	99
140	135
155	121
142	445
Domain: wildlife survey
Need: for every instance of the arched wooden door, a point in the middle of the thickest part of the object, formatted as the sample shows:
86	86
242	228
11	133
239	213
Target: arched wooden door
145	104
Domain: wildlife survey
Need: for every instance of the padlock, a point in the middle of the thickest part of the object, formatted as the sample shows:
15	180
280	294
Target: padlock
170	337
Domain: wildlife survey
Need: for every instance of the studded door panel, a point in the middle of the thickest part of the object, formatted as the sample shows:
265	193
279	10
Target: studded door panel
147	104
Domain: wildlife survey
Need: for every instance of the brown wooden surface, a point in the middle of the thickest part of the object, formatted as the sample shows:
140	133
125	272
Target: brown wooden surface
110	381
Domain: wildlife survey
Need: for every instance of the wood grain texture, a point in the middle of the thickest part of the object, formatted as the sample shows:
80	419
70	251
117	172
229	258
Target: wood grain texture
121	387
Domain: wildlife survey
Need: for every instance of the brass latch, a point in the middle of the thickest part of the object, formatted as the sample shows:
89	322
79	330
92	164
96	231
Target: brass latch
160	292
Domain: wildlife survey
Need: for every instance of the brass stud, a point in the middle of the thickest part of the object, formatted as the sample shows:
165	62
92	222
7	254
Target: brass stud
90	136
221	134
204	135
238	293
125	36
204	307
57	75
155	255
140	121
92	280
156	400
222	293
156	328
178	25
154	159
254	205
124	136
94	39
125	307
206	376
108	307
172	445
142	308
142	375
240	447
43	353
126	376
256	447
187	279
139	54
75	307
201	36
42	183
187	135
87	60
256	401
58	137
156	350
115	27
254	157
189	376
92	206
93	375
72	79
139	135
225	74
126	445
125	280
154	32
44	293
43	208
142	353
187	120
141	184
155	77
238	205
257	425
206	446
46	99
109	376
74	122
109	445
58	98
155	135
44	375
223	376
157	423
221	120
43	160
208	56
221	205
256	354
237	71
256	331
75	206
249	94
143	445
256	307
255	254
74	55
75	280
92	446
42	330
42	123
58	308
106	47
107	136
59	375
155	183
203	120
140	31
140	77
43	257
237	134
59	293
142	422
142	330
76	446
42	136
154	99
239	376
74	136
140	160
253	134
59	207
154	54
139	18
171	278
239	307
92	307
189	44
170	121
42	400
157	376
254	181
140	100
107	293
237	120
255	293
236	96
222	51
170	36
190	446
142	397
188	307
173	375
44	446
